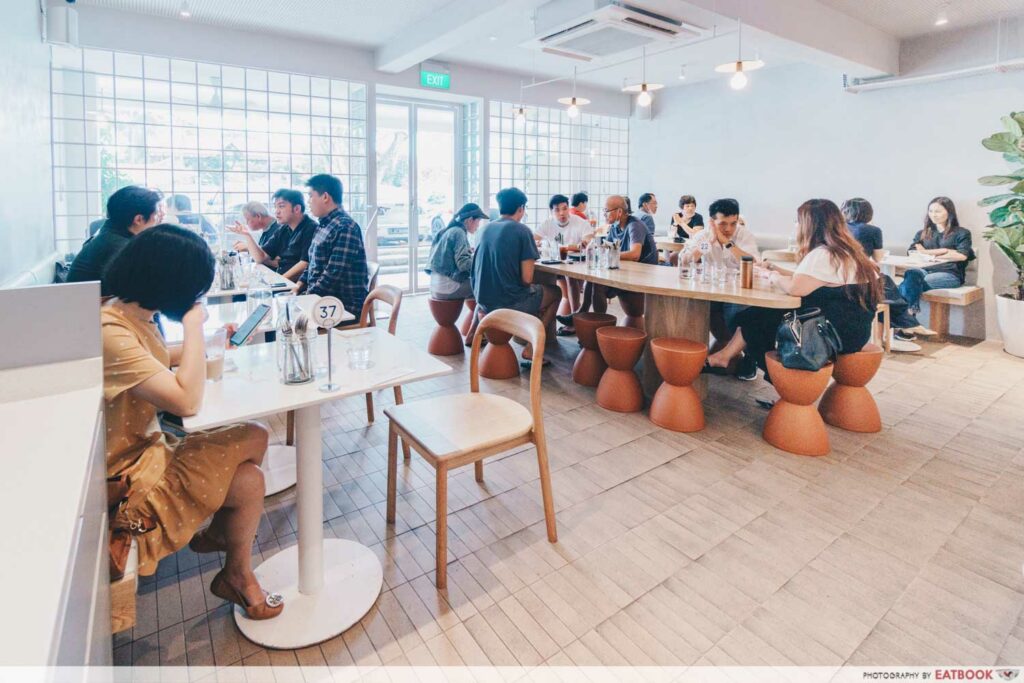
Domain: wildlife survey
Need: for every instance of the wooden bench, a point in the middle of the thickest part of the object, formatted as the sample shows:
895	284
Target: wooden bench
122	593
941	299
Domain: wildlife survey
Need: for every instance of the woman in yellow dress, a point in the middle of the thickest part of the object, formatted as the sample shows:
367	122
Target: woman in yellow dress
176	484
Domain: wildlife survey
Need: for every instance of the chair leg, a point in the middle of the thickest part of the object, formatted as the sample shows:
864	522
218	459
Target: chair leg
369	408
545	490
441	505
478	469
392	472
398	402
887	330
289	436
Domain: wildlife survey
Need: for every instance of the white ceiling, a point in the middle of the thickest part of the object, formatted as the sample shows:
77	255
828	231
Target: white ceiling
910	18
372	23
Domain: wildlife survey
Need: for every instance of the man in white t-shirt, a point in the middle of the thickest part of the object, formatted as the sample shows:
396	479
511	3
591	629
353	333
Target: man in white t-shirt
570	231
724	240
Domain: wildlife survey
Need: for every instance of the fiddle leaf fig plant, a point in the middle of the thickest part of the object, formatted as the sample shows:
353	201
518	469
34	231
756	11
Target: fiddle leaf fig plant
1006	217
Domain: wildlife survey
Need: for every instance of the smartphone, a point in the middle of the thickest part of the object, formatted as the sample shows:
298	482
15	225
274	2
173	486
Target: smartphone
249	326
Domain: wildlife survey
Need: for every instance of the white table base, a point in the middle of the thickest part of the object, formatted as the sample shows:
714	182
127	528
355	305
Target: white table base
278	468
327	585
352	581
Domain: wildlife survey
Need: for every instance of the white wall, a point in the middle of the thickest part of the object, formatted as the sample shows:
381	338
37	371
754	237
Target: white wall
26	201
794	134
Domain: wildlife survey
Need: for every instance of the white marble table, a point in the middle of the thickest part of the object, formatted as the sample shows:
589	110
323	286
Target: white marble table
328	585
262	277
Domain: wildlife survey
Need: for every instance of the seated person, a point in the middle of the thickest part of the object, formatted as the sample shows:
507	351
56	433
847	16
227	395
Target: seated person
287	249
179	210
451	258
636	243
648	207
858	213
572	232
130	210
175	484
257	219
686	222
944	239
337	258
503	264
725	241
833	274
579	207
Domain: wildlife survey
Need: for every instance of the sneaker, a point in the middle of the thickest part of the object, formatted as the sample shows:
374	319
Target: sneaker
921	330
747	370
903	335
564	319
900	346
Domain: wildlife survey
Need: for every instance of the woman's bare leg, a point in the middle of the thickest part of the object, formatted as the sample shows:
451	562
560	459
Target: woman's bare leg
734	348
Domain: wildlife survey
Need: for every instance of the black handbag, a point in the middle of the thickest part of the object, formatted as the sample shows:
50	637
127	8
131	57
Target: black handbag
806	340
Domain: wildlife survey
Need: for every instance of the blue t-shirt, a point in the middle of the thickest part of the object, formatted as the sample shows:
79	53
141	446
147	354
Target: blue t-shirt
497	264
636	232
869	236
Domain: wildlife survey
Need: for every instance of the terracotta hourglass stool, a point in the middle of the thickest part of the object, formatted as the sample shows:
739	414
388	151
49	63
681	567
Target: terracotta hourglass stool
632	305
793	424
676	404
467	320
445	340
619	388
589	365
847	403
498	359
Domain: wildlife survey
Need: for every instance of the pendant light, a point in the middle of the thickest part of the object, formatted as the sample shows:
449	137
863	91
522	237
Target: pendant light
740	67
643	88
573	103
521	112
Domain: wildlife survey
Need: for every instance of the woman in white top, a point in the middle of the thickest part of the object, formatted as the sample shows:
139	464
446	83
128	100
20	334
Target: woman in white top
834	274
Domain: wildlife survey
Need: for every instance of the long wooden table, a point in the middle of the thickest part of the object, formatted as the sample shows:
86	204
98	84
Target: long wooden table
673	307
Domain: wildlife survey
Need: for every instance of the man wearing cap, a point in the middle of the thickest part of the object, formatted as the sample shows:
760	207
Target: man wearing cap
451	258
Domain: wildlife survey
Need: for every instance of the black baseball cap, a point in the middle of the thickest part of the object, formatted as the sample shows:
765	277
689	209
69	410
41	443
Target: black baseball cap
470	210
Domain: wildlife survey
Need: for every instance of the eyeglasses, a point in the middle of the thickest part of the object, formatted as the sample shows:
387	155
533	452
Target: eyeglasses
608	212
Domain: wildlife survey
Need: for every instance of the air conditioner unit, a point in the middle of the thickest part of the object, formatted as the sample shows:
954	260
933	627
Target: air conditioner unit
591	30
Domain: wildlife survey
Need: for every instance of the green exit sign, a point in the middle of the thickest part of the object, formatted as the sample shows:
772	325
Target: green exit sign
435	79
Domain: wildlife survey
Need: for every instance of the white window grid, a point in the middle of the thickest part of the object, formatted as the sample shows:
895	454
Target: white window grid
219	134
471	148
551	153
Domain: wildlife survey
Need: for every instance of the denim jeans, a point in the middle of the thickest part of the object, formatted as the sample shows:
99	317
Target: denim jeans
917	281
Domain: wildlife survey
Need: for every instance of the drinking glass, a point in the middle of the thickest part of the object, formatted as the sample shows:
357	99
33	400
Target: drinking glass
255	297
686	266
215	345
359	348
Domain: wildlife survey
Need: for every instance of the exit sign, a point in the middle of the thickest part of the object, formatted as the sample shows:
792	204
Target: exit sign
435	79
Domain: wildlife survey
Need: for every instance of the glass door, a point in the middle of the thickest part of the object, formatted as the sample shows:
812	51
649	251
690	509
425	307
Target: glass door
416	186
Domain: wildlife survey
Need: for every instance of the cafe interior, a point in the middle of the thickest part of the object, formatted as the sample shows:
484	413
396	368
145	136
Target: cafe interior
723	301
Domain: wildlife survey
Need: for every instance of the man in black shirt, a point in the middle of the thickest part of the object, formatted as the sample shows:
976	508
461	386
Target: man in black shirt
130	210
287	249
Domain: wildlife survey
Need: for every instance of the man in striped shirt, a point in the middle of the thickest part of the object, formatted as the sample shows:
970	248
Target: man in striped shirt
337	259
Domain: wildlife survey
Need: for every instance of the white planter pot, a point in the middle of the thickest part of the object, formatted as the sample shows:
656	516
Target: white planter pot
1010	314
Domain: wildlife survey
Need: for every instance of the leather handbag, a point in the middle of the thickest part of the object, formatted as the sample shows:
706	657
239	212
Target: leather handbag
806	340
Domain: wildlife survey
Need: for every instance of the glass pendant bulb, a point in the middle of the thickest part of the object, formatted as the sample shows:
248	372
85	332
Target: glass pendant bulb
738	81
644	98
573	111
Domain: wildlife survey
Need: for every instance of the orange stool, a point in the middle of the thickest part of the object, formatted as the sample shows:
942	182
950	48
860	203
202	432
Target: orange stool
847	403
793	424
589	365
676	404
498	360
467	320
619	388
445	339
633	306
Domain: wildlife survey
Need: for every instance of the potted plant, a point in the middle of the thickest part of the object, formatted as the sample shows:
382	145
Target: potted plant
1006	228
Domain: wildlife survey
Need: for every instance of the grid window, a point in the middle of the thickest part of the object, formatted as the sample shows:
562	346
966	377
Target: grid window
219	135
471	190
550	153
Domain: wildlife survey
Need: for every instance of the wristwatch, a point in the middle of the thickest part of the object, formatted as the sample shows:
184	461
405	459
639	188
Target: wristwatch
728	245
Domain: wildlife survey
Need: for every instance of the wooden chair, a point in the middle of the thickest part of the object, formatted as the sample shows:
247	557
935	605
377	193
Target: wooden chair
456	430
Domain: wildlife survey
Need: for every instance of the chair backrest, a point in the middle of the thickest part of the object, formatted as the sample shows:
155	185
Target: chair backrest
390	295
372	270
525	327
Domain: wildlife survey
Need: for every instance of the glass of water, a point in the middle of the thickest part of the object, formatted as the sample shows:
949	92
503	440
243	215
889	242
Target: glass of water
359	348
686	266
255	297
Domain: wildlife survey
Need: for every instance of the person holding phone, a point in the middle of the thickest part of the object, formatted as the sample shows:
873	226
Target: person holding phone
686	222
174	485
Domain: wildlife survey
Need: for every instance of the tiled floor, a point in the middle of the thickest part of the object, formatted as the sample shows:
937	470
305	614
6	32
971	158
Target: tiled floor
903	547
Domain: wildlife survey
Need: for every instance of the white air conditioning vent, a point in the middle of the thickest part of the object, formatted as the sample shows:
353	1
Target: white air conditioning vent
597	29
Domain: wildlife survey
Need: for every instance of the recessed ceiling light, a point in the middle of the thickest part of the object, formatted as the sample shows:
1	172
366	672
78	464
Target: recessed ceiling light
184	12
492	38
942	18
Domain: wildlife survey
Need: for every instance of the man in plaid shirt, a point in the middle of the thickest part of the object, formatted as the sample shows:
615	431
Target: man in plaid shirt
337	260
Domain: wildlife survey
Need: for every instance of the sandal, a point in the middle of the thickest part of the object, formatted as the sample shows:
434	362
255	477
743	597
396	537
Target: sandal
566	331
712	370
272	605
202	542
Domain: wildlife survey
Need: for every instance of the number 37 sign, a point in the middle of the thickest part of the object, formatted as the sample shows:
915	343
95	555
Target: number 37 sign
328	312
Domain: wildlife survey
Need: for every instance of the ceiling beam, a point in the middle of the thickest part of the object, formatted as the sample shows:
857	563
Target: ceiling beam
818	32
457	23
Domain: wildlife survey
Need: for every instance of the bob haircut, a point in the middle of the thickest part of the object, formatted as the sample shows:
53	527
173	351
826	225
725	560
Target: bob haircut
131	201
166	269
857	210
687	199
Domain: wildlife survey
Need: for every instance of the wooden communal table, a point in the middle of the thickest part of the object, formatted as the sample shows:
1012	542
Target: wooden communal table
673	307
